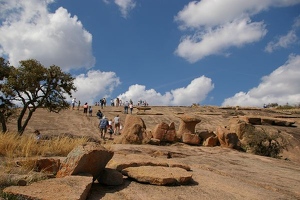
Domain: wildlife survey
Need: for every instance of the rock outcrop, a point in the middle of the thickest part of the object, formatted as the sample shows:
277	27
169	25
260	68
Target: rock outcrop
227	138
187	125
165	132
192	139
211	141
85	159
256	120
120	162
157	175
69	187
134	131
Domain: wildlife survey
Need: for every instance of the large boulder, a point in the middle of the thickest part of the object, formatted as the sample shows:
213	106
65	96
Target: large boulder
240	128
211	141
157	175
90	158
69	187
192	139
134	131
165	132
227	138
187	125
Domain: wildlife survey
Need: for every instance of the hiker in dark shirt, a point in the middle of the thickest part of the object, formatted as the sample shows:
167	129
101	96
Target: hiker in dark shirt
103	124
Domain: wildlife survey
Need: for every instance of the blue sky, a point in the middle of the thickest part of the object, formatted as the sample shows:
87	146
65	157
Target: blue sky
222	52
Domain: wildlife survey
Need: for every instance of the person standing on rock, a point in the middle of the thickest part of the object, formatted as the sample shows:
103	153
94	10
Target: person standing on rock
117	124
90	111
131	107
73	103
78	105
103	124
85	108
126	105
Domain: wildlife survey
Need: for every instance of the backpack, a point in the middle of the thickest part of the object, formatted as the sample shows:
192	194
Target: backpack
103	123
100	115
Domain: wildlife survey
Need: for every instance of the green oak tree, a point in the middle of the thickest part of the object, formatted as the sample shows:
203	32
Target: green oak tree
6	107
32	86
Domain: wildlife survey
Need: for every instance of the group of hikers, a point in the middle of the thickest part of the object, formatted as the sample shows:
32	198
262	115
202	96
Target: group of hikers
106	125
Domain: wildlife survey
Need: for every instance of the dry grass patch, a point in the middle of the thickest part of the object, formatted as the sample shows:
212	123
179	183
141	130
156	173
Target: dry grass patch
13	146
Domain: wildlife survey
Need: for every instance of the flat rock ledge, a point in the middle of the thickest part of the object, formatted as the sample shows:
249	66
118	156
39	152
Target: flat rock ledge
158	175
69	187
120	162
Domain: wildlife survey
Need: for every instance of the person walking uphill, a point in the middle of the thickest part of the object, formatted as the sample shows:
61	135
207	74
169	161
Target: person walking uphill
73	103
85	108
117	124
126	105
103	124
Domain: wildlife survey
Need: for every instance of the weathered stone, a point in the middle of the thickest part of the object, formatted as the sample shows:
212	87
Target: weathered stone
187	125
160	130
85	159
154	141
227	138
204	134
251	120
170	136
110	177
129	161
267	121
120	162
212	141
189	138
240	128
165	132
23	179
157	175
69	187
46	165
134	131
278	122
180	165
50	165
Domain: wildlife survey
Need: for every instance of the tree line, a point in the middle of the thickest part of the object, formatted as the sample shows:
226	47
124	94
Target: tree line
29	86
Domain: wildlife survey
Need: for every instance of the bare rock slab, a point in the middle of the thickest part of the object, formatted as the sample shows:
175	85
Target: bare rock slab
120	162
90	158
158	175
69	187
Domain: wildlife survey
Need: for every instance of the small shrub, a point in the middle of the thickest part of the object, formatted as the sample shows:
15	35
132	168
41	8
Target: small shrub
261	143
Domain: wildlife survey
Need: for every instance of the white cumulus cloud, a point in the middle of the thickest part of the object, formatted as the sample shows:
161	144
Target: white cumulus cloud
281	86
215	23
29	30
95	85
195	92
212	42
